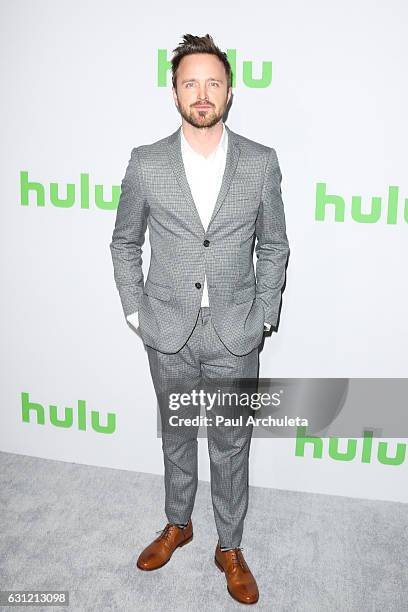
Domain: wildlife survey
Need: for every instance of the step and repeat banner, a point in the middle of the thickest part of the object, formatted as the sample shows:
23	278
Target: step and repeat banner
322	83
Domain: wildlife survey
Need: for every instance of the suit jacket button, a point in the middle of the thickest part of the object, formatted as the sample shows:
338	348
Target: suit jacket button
206	243
198	285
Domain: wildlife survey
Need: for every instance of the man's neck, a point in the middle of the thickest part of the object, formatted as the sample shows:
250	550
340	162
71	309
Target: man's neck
203	140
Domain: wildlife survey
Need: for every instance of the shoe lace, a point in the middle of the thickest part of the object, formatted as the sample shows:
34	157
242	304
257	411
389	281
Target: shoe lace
166	532
237	558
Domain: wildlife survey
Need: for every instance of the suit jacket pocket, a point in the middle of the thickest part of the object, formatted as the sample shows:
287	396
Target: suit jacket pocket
158	291
247	294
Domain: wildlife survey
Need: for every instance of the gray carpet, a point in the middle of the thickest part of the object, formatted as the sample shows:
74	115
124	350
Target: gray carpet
81	528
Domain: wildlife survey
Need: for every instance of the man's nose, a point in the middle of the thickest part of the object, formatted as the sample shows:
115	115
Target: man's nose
202	92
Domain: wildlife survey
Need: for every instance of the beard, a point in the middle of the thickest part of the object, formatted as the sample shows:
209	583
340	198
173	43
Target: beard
202	118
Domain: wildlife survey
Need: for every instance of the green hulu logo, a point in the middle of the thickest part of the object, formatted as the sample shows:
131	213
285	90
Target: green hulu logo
365	453
34	409
373	215
264	80
69	195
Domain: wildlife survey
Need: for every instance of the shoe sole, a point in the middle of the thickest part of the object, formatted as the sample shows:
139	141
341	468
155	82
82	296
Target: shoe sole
151	569
248	603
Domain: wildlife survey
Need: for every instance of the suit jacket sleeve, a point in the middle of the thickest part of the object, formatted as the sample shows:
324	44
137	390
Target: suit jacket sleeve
272	247
128	237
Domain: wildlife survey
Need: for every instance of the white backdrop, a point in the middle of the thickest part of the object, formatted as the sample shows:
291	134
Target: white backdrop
80	90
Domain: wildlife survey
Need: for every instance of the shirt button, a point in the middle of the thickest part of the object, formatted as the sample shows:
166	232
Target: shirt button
198	285
206	243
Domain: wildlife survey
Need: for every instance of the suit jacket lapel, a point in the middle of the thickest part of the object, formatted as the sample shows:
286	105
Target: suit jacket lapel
176	160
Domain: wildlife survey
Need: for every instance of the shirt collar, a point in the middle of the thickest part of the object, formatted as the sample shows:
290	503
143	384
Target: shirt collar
220	148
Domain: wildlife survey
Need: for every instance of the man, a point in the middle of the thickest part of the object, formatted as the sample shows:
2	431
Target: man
206	193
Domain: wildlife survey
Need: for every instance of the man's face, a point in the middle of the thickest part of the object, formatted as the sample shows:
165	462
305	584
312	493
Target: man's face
202	94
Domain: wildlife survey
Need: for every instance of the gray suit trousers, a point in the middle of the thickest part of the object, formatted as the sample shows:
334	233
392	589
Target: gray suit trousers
205	363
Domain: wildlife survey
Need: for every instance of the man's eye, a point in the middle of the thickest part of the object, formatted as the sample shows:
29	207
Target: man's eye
215	83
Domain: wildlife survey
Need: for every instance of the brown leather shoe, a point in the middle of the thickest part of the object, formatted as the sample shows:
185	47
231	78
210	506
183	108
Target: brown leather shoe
241	584
159	552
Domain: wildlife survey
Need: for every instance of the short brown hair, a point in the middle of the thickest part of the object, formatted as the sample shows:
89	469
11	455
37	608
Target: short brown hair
198	44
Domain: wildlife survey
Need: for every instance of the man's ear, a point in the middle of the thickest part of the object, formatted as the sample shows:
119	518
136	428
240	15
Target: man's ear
174	96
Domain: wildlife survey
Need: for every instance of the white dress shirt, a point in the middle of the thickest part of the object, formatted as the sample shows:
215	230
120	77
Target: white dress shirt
204	176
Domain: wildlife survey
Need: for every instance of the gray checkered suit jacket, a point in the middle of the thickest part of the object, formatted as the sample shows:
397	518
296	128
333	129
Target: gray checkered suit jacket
155	193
